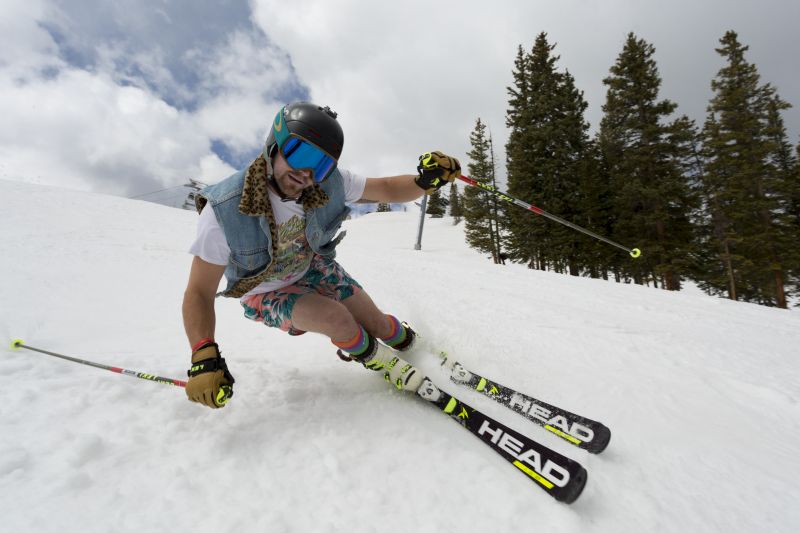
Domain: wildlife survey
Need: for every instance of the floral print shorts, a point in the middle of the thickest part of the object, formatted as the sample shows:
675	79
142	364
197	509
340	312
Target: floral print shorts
325	276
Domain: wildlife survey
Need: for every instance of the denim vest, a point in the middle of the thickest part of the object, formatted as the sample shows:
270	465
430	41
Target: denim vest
249	237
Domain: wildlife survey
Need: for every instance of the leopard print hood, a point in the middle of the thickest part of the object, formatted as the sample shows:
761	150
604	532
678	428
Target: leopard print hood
255	199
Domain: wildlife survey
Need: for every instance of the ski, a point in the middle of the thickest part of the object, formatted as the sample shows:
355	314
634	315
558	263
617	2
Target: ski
561	477
583	432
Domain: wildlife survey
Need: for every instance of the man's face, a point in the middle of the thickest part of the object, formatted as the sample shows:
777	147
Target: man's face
291	181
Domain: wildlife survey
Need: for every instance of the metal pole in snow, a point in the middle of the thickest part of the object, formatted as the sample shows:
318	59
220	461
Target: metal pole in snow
423	205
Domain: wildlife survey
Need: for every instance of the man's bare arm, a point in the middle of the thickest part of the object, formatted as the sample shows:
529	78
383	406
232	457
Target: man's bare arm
394	189
199	319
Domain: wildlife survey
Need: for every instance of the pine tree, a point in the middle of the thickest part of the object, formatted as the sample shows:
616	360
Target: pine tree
653	199
524	231
436	206
687	142
785	175
545	150
455	204
569	133
794	217
747	192
477	205
596	213
499	221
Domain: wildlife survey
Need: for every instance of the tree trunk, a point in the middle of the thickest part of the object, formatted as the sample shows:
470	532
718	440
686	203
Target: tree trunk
780	294
729	268
671	281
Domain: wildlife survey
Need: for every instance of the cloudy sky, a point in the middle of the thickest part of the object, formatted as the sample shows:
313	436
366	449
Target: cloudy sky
129	97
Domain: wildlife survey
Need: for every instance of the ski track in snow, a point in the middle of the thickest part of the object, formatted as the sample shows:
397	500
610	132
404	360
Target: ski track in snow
701	394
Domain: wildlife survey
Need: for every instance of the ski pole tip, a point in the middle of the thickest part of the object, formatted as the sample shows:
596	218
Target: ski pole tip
636	253
16	344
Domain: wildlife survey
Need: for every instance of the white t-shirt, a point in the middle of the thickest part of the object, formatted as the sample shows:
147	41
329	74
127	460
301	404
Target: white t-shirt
294	253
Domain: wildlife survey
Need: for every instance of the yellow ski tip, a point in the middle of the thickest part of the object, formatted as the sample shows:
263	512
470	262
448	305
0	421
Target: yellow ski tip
16	343
636	253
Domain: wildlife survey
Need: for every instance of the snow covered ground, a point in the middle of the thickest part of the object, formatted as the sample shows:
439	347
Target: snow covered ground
701	394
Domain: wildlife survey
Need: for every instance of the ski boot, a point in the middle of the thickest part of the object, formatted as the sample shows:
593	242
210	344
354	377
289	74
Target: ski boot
400	373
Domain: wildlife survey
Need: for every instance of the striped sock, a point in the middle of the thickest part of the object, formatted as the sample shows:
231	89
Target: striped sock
359	346
397	334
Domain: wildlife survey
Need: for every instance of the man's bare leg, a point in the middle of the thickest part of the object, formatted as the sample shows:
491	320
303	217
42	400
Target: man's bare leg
313	312
366	313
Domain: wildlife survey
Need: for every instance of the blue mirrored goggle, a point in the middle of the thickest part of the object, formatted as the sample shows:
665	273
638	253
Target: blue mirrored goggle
301	154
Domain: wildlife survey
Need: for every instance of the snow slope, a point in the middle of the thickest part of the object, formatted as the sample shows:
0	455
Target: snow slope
701	394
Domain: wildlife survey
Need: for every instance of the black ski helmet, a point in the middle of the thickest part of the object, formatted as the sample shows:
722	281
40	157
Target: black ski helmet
315	124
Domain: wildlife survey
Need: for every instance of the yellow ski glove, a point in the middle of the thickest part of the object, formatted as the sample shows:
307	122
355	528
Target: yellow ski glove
436	170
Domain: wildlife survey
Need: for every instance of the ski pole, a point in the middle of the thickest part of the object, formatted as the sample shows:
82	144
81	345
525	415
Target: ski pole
634	252
18	343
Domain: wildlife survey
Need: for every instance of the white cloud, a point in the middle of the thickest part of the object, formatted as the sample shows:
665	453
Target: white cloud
212	169
242	81
81	130
104	127
26	47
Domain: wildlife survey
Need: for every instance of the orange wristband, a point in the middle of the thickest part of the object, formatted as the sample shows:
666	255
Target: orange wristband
201	342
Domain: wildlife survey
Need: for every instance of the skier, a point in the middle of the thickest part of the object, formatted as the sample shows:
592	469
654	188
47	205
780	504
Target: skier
271	229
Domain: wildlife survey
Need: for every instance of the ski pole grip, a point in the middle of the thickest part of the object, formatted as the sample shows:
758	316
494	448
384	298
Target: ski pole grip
224	394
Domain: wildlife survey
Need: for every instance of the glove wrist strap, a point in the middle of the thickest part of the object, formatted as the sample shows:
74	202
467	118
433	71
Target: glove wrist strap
207	365
211	365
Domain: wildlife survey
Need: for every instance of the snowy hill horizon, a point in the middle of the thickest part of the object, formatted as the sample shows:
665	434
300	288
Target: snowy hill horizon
700	393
